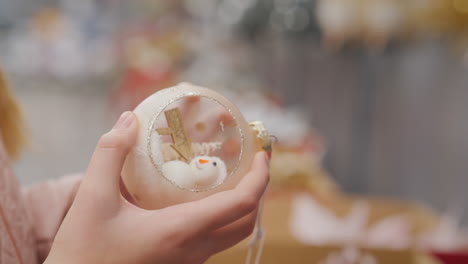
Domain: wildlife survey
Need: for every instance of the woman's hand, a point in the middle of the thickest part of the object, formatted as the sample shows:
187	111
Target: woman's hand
102	227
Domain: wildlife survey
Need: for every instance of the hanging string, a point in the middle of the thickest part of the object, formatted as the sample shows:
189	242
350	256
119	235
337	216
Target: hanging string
258	238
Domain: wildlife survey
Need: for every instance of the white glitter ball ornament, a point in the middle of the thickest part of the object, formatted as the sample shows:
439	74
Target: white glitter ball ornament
192	142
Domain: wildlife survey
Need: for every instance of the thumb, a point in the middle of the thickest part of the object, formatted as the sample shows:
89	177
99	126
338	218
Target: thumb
103	174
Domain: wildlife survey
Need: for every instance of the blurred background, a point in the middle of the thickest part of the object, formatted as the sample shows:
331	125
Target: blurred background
378	88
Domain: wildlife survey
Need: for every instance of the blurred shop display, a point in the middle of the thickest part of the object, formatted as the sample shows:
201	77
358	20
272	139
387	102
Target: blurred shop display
306	212
368	23
152	50
376	22
58	44
305	227
83	38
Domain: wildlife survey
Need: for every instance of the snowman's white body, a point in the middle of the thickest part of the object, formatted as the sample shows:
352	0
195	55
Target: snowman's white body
203	172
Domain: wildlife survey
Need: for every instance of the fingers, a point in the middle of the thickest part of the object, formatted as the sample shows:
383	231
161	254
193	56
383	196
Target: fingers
233	233
106	164
225	207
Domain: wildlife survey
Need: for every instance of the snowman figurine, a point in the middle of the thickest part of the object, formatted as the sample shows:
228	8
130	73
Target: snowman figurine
203	172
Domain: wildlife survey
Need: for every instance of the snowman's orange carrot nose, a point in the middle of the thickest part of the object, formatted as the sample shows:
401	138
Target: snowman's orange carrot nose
202	161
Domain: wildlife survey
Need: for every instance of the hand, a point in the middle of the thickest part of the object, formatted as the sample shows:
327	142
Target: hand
102	227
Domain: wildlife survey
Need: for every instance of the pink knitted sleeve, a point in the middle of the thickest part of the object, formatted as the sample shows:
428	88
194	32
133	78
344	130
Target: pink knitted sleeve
47	204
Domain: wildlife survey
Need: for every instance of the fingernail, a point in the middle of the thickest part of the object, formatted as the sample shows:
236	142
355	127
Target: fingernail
124	121
268	157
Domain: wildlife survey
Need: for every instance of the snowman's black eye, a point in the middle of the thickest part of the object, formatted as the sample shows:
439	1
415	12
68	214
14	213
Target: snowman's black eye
214	163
